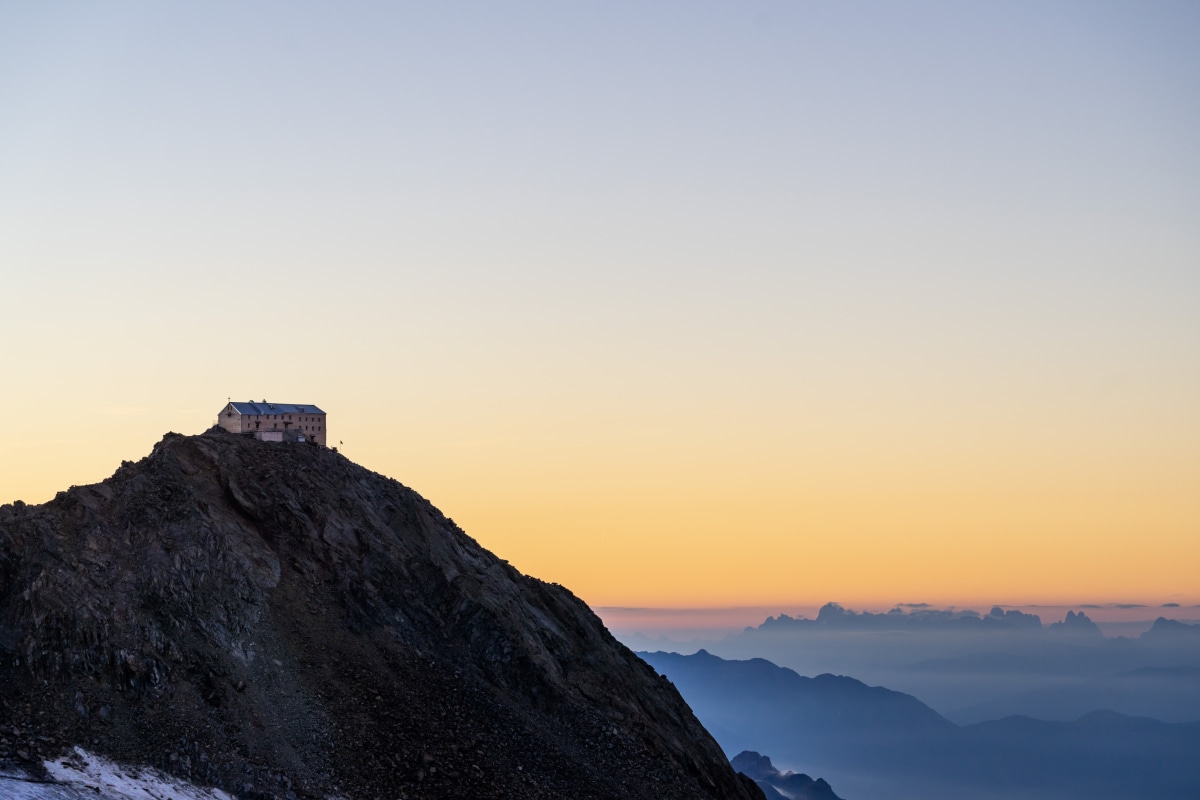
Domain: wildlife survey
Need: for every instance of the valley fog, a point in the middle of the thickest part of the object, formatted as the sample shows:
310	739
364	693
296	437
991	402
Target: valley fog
970	667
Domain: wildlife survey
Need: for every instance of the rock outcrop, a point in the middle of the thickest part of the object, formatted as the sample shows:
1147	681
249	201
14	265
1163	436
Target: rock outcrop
276	621
1078	626
794	785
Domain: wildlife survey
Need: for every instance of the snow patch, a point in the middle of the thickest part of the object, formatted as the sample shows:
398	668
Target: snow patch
82	775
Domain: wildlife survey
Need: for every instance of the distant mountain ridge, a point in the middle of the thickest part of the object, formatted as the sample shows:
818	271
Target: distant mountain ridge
1169	629
973	667
845	731
1076	625
837	713
834	616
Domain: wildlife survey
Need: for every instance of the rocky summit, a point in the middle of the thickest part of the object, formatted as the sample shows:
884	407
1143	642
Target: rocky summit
275	621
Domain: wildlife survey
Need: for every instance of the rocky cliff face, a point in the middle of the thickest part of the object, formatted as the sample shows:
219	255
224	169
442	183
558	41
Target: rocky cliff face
277	621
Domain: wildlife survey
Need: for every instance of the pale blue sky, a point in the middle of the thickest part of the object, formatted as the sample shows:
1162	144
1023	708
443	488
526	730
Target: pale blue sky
633	216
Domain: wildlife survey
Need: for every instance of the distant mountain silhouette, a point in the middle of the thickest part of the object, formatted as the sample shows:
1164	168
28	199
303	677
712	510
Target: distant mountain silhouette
1170	630
972	667
838	727
833	616
1077	625
776	784
830	719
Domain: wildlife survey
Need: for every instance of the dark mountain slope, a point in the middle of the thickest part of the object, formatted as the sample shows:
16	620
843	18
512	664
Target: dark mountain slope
276	620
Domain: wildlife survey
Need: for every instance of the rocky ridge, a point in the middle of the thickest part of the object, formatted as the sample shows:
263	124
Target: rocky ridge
278	622
775	784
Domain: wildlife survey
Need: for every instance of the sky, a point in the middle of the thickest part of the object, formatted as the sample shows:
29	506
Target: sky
676	304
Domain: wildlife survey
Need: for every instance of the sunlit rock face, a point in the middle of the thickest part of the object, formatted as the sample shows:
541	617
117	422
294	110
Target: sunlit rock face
272	620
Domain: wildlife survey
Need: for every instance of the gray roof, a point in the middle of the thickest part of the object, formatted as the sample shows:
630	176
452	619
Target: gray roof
274	408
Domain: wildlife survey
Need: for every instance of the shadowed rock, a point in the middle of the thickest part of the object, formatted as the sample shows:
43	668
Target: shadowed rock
794	785
277	621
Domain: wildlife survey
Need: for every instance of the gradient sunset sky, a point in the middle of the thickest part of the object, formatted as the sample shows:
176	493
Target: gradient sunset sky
675	304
